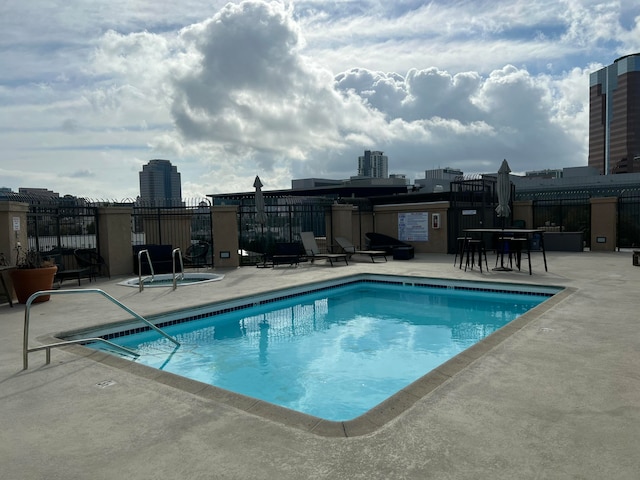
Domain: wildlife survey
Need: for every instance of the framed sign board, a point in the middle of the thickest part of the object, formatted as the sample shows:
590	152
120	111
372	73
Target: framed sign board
413	227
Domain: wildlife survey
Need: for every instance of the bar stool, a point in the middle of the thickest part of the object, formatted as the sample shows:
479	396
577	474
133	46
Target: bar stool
460	247
472	248
504	249
518	245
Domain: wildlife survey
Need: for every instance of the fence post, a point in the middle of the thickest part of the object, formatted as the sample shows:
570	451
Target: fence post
603	224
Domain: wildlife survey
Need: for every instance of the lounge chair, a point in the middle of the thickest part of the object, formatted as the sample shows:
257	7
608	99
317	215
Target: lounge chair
313	252
291	253
399	249
350	249
88	258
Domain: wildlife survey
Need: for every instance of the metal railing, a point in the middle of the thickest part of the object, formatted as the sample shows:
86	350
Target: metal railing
140	280
173	261
26	350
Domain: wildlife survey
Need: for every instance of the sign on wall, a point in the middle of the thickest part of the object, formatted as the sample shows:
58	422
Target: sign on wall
413	226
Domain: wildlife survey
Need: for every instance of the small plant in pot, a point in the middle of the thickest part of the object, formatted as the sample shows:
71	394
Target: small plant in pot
32	274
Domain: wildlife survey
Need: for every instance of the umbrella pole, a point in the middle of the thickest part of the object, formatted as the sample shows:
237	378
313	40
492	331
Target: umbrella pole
502	268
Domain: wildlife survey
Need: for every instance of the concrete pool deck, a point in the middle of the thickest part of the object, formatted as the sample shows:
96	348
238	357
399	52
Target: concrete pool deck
559	398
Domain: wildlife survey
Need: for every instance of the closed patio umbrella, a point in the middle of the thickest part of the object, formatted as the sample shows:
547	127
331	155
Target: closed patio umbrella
503	210
261	215
504	191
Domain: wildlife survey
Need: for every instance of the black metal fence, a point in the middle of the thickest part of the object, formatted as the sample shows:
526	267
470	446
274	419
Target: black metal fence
567	214
286	217
66	224
56	227
472	205
51	226
187	226
628	224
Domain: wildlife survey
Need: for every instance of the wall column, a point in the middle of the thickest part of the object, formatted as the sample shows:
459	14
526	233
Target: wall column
225	236
523	210
341	215
604	214
114	231
13	215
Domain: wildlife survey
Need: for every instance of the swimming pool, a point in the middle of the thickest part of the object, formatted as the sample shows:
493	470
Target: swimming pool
293	348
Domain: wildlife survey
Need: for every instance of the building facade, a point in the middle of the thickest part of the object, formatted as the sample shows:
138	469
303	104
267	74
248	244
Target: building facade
160	184
438	180
614	117
373	164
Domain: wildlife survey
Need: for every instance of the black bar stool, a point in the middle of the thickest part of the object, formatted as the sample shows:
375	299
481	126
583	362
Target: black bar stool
460	248
505	249
518	248
472	248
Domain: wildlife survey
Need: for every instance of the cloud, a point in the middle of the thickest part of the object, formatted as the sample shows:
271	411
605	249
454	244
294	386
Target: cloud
251	90
82	174
263	103
296	89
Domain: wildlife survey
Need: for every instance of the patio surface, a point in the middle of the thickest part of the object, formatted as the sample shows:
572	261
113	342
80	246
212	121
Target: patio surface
559	398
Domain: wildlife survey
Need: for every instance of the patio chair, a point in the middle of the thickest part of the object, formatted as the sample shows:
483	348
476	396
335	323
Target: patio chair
399	249
313	251
64	273
350	249
88	258
196	254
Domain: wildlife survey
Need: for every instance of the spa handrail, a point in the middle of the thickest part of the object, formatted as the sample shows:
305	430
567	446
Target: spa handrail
140	282
173	262
26	350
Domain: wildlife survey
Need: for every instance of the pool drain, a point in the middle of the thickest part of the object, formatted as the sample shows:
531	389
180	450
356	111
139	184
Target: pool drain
105	384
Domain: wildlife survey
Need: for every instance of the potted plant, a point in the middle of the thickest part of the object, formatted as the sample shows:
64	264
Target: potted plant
32	274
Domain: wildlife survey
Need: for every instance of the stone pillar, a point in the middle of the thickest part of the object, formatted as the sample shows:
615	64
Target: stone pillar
225	236
114	229
604	214
13	229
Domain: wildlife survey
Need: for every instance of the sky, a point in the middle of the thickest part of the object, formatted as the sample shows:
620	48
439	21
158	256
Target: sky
90	91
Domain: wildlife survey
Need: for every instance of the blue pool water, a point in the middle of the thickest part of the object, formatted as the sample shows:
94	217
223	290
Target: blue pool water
334	353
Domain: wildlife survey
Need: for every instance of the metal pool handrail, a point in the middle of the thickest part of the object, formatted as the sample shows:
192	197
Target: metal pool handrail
26	350
173	262
140	282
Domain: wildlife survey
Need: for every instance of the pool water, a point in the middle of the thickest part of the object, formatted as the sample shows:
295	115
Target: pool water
335	353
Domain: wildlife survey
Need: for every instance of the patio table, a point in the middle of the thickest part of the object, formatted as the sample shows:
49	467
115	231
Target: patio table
515	232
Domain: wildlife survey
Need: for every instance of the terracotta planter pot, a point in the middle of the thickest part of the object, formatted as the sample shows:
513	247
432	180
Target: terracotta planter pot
27	281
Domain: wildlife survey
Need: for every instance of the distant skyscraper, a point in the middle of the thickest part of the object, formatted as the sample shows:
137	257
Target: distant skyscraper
373	164
160	184
614	117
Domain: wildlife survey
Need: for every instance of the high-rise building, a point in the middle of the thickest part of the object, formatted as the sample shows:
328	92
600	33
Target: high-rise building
373	164
614	117
160	184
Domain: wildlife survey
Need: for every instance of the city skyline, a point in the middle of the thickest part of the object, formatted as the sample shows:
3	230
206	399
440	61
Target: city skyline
89	92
